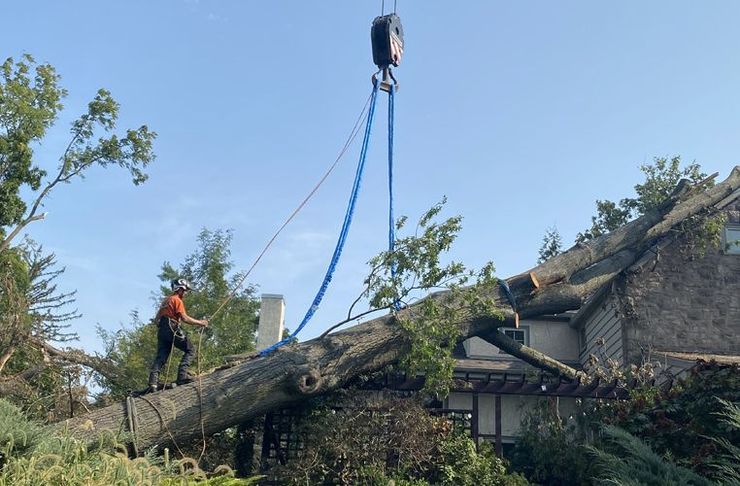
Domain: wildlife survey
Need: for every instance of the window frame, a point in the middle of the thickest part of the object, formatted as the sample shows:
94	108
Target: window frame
731	247
523	329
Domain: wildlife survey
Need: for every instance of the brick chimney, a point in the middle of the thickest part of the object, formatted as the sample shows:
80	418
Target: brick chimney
272	320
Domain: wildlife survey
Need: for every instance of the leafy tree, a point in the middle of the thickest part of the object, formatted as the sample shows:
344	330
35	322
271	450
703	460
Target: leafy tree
725	465
414	268
35	311
661	177
209	269
30	100
552	245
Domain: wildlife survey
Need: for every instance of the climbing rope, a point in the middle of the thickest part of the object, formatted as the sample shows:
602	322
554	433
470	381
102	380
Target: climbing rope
345	227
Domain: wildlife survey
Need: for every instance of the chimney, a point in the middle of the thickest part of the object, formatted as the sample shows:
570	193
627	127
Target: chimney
272	319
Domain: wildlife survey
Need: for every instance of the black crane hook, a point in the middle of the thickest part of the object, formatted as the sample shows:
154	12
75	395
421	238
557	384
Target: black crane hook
386	35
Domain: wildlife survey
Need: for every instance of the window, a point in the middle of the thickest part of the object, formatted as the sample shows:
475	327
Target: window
520	335
731	239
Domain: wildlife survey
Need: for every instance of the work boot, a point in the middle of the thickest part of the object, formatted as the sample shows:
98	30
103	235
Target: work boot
183	377
153	381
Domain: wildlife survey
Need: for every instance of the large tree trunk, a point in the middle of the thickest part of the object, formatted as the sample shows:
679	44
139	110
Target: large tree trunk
234	395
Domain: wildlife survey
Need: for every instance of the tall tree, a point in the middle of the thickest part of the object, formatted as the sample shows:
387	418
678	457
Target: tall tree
661	178
210	269
30	100
552	245
36	313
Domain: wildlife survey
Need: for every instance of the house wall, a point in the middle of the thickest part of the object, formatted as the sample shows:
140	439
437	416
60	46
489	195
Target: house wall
513	409
601	334
681	304
551	336
555	338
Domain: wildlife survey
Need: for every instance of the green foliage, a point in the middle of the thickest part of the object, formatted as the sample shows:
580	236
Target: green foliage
373	476
30	100
625	460
392	437
33	310
661	178
389	440
433	332
416	259
694	427
684	421
549	450
725	465
132	349
17	434
415	266
30	456
463	465
210	268
31	306
15	282
552	245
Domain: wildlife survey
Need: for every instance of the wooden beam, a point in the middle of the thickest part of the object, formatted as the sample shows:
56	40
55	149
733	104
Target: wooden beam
497	425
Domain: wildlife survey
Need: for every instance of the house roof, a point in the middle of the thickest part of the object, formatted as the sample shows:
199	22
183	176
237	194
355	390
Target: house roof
646	258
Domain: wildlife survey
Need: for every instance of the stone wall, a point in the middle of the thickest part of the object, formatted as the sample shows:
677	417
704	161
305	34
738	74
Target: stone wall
675	303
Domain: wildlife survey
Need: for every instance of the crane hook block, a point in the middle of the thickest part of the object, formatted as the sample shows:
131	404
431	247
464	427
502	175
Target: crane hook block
387	38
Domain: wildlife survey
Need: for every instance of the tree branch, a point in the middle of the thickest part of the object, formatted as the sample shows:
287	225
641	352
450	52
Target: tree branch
79	357
530	355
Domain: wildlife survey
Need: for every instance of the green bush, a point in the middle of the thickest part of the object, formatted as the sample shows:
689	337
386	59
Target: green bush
725	466
686	421
394	441
624	460
17	434
462	465
549	451
31	456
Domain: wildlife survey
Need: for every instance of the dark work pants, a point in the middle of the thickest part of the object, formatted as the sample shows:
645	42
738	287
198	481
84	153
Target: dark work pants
166	334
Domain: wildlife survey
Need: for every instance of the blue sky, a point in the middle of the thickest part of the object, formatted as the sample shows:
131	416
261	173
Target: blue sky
521	113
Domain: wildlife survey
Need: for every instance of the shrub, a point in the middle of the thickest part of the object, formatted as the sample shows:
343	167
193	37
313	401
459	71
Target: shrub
684	421
550	451
392	441
624	460
17	434
29	455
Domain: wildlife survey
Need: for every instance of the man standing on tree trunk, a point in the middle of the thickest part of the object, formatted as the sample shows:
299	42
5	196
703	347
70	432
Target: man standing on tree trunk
171	335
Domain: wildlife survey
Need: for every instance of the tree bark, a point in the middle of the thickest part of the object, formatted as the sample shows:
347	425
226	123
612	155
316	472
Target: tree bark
6	357
289	375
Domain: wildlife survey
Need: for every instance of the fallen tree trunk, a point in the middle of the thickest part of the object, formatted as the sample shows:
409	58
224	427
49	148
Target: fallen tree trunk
234	395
